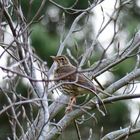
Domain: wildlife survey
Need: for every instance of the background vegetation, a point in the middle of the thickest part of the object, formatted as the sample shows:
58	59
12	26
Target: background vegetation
33	30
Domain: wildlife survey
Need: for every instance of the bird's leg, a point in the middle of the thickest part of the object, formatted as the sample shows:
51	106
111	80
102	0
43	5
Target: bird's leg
70	104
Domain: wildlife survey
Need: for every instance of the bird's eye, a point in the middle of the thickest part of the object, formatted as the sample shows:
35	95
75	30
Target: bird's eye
62	59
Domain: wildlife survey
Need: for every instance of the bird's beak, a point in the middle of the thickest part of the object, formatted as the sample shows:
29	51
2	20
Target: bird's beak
53	57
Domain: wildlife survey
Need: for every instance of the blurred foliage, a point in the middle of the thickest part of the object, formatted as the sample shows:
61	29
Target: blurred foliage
130	17
30	8
31	110
117	116
134	137
121	69
45	44
45	39
45	35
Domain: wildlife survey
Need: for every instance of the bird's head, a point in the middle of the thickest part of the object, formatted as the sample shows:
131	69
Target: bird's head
61	60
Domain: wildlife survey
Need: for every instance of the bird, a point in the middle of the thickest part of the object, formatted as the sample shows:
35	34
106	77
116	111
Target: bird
72	82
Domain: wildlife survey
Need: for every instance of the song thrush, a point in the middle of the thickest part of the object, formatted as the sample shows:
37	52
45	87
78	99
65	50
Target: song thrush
72	82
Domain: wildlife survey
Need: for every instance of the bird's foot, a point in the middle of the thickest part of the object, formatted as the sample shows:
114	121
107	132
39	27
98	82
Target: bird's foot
71	102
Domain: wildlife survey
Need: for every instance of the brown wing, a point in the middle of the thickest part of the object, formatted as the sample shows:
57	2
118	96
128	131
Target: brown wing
85	82
66	73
